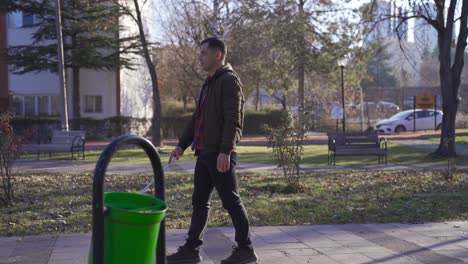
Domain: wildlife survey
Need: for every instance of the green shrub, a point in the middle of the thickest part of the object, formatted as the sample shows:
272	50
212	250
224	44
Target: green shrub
254	122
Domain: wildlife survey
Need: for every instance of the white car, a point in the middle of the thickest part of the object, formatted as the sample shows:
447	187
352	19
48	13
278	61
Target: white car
404	121
387	105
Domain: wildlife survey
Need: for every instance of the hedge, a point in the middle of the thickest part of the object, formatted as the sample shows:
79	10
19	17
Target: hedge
39	129
254	122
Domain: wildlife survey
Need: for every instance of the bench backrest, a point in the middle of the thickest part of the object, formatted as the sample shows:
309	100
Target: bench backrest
353	138
66	137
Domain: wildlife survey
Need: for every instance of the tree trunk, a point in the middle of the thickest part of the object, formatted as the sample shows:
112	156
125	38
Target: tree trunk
215	17
257	97
447	146
156	132
301	62
450	73
283	102
185	100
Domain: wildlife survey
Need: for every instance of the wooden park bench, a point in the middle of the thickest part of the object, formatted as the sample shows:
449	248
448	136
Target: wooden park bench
356	144
61	142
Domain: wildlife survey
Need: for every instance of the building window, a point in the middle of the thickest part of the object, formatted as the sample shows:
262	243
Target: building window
43	102
32	105
29	105
20	19
93	104
14	19
55	106
17	104
28	19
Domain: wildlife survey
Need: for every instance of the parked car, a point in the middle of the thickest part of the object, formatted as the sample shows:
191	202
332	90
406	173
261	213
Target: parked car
367	106
404	121
387	105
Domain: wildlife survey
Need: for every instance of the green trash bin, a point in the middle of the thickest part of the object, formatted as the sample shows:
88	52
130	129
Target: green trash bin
131	228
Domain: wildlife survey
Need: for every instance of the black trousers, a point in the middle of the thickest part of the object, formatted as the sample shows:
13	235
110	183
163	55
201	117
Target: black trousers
206	179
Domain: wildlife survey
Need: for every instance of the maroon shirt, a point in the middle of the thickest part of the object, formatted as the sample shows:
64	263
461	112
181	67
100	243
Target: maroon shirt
200	119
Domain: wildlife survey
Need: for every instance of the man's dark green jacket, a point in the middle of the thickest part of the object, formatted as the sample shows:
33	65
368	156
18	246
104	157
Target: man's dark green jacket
224	113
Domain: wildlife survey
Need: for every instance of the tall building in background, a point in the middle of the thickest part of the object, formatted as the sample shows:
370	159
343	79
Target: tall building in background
425	36
385	22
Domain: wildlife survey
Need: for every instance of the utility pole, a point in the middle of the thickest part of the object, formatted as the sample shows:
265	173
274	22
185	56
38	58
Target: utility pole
61	67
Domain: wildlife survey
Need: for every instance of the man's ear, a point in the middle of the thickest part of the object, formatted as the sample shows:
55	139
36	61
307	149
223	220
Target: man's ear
219	55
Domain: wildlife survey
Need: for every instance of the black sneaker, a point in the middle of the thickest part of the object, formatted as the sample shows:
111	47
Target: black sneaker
184	255
241	255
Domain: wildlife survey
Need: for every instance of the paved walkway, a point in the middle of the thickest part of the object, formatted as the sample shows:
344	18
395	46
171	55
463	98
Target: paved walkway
59	166
431	243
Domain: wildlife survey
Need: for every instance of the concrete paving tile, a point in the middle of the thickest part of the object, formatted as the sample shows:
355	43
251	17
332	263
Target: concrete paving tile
463	244
351	258
69	249
178	237
272	256
319	259
454	253
372	249
260	229
256	239
39	238
322	243
31	259
336	250
6	241
299	252
396	259
359	243
345	237
329	230
171	232
6	251
205	258
7	260
283	246
277	237
442	233
64	256
445	247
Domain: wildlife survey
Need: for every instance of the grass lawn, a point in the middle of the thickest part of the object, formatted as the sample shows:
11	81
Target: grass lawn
314	155
56	204
463	140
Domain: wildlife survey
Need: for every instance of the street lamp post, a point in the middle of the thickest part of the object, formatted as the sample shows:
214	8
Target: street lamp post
342	63
61	67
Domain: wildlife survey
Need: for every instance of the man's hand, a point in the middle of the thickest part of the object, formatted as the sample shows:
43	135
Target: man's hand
176	153
224	161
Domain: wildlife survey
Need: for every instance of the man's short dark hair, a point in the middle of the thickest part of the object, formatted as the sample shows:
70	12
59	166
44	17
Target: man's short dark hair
215	43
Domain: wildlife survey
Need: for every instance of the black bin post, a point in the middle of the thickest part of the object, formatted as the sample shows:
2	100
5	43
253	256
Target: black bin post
99	209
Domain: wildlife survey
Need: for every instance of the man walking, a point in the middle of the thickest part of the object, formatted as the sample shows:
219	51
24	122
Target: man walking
213	132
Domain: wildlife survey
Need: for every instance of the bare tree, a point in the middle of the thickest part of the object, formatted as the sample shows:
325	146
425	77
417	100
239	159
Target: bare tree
134	9
443	16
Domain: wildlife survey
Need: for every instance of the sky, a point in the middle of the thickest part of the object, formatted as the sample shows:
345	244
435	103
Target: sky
352	4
